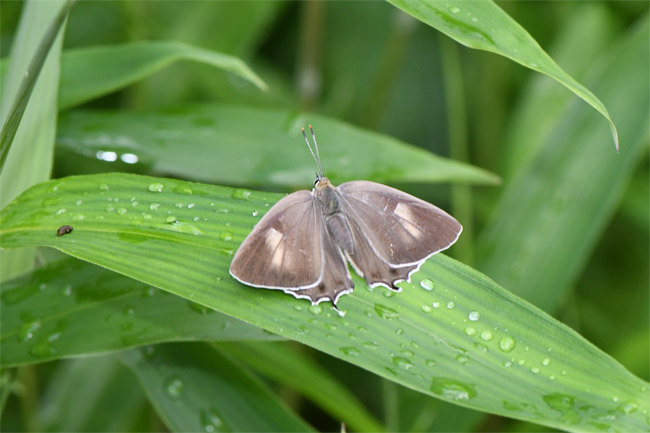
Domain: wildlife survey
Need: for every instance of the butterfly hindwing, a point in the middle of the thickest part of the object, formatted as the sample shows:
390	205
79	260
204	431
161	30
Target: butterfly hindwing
393	232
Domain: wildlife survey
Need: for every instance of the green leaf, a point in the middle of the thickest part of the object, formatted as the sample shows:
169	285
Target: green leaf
195	388
467	340
249	146
28	77
87	73
73	308
542	103
108	405
553	212
307	377
29	128
483	25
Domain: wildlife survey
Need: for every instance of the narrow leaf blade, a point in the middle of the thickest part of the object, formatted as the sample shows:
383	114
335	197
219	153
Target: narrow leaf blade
453	342
485	26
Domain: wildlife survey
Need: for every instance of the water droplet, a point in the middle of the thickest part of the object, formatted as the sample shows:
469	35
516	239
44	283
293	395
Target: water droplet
435	304
546	362
628	407
427	284
174	387
487	335
179	205
470	331
297	307
462	359
43	348
156	187
452	389
27	330
565	405
103	187
455	10
451	305
154	206
474	316
211	421
386	312
128	311
315	309
430	363
370	345
67	290
226	235
122	211
202	309
507	364
407	353
78	202
60	211
534	370
399	331
350	351
426	308
191	205
402	363
481	347
241	194
506	343
171	219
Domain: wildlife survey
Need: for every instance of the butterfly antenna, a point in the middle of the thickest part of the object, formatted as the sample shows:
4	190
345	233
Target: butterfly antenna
312	154
313	136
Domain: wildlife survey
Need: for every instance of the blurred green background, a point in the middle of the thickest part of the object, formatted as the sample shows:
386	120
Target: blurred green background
371	65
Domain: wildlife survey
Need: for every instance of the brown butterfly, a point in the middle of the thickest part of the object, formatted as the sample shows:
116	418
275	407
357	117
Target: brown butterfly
301	245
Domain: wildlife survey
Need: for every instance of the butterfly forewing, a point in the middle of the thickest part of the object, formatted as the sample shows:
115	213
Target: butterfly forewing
284	251
399	229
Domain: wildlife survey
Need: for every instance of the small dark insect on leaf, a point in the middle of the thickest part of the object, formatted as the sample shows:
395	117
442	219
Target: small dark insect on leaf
63	230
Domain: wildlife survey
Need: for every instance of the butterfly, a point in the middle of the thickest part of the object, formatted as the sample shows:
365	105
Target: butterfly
303	244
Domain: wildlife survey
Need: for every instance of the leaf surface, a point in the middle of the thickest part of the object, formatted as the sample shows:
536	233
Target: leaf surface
451	333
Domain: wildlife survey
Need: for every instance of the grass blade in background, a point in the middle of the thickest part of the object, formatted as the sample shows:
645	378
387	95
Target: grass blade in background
552	214
485	26
445	334
75	308
250	146
542	103
24	79
286	365
87	73
29	160
196	388
111	402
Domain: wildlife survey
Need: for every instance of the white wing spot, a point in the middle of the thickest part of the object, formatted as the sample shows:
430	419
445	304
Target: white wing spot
273	239
404	212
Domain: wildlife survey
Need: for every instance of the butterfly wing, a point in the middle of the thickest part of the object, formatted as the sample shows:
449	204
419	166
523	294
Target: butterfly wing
394	232
288	250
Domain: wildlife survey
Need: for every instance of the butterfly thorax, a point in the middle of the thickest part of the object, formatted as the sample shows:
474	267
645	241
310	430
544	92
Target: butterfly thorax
335	221
327	196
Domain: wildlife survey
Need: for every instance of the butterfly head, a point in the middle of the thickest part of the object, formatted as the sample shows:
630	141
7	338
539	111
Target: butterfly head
321	182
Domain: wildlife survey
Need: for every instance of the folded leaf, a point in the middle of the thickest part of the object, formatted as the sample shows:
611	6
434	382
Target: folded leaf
485	26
